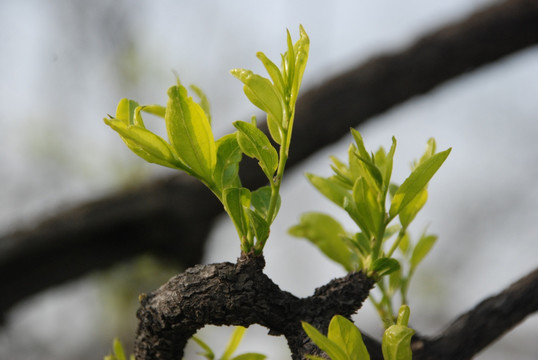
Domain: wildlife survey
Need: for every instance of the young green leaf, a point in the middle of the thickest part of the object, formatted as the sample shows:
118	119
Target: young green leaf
250	356
156	110
396	343
261	199
368	207
125	111
229	156
236	201
332	349
423	247
118	350
408	213
261	93
189	132
418	179
332	190
348	337
146	144
233	343
387	173
254	143
301	50
204	102
325	232
384	266
208	354
273	71
370	172
260	227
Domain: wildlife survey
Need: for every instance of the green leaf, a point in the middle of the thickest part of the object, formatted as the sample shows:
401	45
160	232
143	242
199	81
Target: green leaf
423	247
250	356
418	179
260	227
189	132
209	355
395	280
333	350
404	244
385	266
145	144
396	343
408	213
254	143
261	93
204	102
301	50
368	207
348	337
233	343
431	146
363	244
387	173
229	154
370	172
125	111
273	71
360	145
118	350
261	199
275	129
331	189
156	110
325	232
236	201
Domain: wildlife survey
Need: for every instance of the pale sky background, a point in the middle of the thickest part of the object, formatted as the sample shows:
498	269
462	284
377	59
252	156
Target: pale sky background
64	65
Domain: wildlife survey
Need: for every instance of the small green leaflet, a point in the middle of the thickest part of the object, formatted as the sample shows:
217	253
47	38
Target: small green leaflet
189	132
125	111
261	92
348	337
236	201
418	179
332	349
332	190
145	144
343	340
254	143
385	266
423	247
228	158
326	233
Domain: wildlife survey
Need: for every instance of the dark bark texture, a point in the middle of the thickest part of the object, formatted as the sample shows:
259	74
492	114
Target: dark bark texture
239	294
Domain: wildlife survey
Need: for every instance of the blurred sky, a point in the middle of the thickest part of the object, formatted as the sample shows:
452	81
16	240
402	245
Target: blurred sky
65	64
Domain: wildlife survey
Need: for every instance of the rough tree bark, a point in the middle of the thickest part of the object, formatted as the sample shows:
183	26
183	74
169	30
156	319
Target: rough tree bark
239	294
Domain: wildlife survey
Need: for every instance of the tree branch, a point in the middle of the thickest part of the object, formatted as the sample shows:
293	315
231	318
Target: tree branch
484	324
239	294
171	217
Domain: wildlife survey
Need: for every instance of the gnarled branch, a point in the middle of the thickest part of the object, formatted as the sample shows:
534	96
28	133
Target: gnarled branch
239	294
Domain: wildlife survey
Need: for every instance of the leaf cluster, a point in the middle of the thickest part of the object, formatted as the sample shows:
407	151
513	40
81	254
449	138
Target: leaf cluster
191	146
344	339
363	188
230	349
